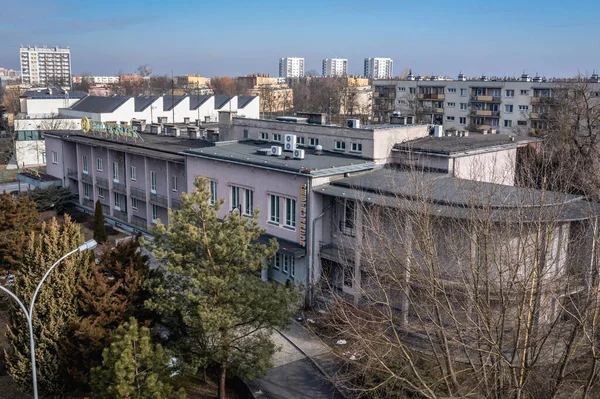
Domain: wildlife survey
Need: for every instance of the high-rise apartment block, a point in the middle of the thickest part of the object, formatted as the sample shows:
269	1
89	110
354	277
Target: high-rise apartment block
378	68
290	67
46	66
335	67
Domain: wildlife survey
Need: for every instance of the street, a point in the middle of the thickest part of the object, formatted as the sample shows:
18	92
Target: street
8	187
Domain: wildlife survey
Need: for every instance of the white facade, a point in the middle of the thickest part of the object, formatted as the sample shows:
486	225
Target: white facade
379	68
290	67
42	66
102	79
335	67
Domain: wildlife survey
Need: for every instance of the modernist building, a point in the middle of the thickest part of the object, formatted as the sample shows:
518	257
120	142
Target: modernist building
378	68
290	67
43	66
335	67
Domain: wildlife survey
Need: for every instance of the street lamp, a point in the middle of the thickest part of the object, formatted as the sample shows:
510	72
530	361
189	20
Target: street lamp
88	245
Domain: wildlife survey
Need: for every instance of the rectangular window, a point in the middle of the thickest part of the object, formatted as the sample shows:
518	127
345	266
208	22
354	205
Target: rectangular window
356	147
54	157
248	202
235	198
153	182
524	92
286	264
100	192
99	164
116	172
508	108
509	93
277	137
450	118
274	209
246	133
292	266
451	105
264	136
154	213
300	140
277	261
174	183
463	106
340	145
133	173
349	213
290	212
134	203
412	90
451	90
523	107
213	192
522	123
462	120
312	142
463	92
402	89
117	198
86	191
84	161
507	123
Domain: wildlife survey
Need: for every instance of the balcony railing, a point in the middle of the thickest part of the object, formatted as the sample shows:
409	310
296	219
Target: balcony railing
175	204
438	110
86	178
425	96
488	99
138	221
100	182
72	174
159	200
347	229
106	209
120	188
137	193
88	202
121	215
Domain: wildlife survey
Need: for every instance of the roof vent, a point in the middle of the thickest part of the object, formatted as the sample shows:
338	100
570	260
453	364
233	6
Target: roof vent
263	151
319	149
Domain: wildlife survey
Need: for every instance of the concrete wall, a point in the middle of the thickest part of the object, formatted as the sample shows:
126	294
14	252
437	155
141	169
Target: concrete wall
45	106
494	167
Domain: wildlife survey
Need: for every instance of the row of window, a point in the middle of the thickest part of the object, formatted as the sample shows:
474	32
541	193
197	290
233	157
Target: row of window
493	122
312	142
509	93
285	263
87	188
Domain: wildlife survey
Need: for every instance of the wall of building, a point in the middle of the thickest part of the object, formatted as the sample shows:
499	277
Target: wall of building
492	167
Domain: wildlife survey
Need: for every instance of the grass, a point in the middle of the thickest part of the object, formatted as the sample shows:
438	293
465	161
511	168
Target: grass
7	176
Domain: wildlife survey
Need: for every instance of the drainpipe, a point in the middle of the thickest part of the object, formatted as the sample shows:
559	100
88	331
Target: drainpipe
310	277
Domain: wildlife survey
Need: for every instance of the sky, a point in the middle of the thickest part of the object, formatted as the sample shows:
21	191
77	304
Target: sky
237	37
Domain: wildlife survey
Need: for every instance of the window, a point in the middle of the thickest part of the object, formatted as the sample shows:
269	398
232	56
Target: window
153	182
463	106
84	161
463	92
277	261
452	90
522	123
162	119
451	105
507	123
99	164
248	202
134	203
523	107
524	92
116	172
402	89
235	198
277	137
508	108
246	133
290	212
292	261
312	142
340	145
154	213
412	90
264	136
100	192
509	93
186	120
349	214
356	147
301	140
286	263
133	173
450	118
274	209
54	157
174	183
462	120
213	192
117	198
86	190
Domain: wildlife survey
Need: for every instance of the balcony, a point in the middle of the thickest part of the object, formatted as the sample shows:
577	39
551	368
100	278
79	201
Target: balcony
438	110
175	203
100	182
86	178
88	203
137	193
106	209
120	215
72	174
423	96
347	229
140	222
487	99
485	112
159	200
542	99
119	188
483	127
535	115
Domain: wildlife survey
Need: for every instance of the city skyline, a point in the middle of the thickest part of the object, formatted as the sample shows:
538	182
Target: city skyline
431	37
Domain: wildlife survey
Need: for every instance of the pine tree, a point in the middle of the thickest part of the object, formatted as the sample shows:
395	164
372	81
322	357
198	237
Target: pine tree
55	306
52	197
213	290
133	367
110	293
100	234
18	217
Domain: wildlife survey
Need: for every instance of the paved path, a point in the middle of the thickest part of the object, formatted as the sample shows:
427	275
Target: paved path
13	187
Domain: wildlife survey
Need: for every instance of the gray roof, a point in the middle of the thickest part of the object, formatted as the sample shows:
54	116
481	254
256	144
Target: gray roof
56	93
197	101
143	102
171	101
99	104
245	152
221	100
244	100
449	145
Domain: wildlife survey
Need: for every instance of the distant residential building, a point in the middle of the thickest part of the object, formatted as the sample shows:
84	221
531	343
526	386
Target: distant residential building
96	79
333	67
290	67
275	95
9	73
130	78
379	68
192	81
45	66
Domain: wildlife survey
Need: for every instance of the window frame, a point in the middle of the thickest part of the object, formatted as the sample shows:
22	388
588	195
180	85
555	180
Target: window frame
248	202
313	141
274	209
99	165
101	192
117	201
290	217
339	145
213	193
134	203
153	182
356	147
84	164
154	213
115	170
174	183
133	173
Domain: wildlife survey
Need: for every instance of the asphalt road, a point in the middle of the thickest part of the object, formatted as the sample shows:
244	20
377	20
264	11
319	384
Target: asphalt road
13	187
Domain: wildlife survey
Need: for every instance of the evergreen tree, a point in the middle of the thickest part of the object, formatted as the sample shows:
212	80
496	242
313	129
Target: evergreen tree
18	217
110	293
52	197
132	367
100	234
212	288
55	305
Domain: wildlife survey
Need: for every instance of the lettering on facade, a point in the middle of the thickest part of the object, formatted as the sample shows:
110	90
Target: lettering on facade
115	130
303	210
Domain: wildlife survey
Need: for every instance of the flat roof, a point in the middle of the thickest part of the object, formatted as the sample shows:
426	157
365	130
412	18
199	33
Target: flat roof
247	152
287	121
452	145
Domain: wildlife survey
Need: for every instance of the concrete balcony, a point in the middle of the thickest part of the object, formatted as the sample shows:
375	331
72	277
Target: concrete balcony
534	115
103	183
423	96
140	222
160	200
72	174
119	188
438	110
88	203
481	112
483	127
86	178
137	193
487	99
120	215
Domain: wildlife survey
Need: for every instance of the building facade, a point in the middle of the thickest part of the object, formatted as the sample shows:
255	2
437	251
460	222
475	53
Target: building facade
335	67
378	68
45	66
291	67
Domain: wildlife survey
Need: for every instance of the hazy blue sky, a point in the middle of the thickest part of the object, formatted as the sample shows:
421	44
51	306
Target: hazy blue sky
554	38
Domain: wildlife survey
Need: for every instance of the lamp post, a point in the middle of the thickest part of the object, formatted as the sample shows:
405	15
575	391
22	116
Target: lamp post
88	245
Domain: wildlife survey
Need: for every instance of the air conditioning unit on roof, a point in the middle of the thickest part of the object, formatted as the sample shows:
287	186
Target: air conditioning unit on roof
298	154
290	142
275	150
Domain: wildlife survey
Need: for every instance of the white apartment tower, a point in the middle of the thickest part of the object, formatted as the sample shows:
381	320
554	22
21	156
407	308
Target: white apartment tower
290	67
379	68
45	66
333	67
